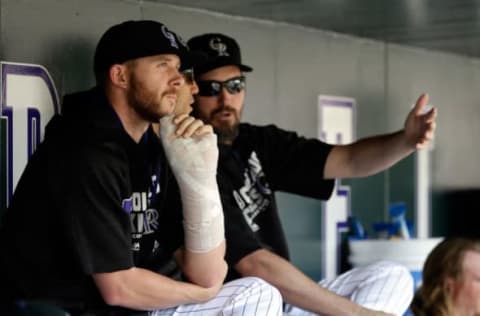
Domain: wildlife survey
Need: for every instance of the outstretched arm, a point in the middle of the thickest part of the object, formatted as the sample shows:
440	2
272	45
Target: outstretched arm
296	288
374	154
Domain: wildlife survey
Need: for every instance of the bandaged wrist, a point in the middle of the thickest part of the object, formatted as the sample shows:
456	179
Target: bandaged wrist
204	236
194	163
202	212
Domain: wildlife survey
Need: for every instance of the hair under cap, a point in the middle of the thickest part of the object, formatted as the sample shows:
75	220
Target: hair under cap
135	39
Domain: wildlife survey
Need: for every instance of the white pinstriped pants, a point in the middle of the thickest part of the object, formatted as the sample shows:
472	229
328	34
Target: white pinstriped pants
383	286
242	297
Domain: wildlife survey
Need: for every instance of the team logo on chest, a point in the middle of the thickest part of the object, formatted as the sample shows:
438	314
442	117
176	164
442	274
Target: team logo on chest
255	194
144	220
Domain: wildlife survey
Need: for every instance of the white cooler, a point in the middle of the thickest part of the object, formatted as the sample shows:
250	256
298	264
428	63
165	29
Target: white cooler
411	253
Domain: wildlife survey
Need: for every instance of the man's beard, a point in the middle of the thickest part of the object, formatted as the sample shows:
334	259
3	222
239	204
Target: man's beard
143	101
227	134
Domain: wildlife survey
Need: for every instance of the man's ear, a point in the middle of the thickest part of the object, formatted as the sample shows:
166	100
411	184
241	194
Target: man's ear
118	75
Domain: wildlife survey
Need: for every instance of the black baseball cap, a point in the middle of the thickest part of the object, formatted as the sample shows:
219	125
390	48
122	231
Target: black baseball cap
135	39
219	49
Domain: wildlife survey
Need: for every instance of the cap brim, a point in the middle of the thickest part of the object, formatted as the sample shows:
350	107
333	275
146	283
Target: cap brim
245	68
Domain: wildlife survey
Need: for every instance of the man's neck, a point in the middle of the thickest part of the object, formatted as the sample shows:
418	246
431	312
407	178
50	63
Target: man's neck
134	124
134	127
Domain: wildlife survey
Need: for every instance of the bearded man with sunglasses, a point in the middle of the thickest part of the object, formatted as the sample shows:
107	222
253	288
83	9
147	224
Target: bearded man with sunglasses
256	161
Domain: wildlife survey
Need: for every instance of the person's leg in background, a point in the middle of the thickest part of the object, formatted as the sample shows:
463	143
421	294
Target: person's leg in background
383	286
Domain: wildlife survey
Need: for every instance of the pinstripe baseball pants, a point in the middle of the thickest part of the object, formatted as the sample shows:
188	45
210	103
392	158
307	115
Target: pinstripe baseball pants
383	286
242	297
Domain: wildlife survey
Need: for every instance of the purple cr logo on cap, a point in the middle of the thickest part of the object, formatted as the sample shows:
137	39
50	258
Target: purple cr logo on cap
169	35
217	45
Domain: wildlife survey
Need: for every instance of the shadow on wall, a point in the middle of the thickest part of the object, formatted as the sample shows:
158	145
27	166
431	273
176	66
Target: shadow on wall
457	213
70	63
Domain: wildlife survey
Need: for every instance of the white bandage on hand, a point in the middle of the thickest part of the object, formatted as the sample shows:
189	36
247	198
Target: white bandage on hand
194	164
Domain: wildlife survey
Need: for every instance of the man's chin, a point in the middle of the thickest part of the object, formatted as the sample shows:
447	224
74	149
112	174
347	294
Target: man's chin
155	117
226	134
222	127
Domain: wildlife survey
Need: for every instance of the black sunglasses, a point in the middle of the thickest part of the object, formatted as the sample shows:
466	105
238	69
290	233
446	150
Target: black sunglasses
188	75
211	88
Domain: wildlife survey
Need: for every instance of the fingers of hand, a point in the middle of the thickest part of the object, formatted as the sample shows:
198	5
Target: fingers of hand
425	125
204	130
429	129
187	126
179	118
427	137
431	115
421	103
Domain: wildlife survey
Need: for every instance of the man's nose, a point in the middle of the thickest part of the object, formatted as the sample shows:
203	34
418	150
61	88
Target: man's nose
194	88
224	94
177	79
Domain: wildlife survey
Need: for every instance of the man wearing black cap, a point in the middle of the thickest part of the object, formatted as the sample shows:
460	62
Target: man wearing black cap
256	161
97	211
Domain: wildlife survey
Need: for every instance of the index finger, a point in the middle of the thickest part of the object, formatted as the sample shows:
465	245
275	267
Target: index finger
204	130
180	117
420	104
